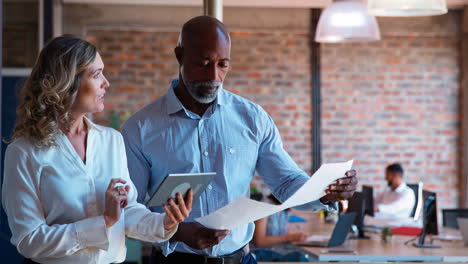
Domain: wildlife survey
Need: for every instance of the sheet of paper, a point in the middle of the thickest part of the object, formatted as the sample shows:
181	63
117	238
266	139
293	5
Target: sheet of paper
245	210
315	187
393	222
241	211
318	238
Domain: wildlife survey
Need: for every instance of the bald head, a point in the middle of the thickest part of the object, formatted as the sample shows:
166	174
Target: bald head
202	28
203	53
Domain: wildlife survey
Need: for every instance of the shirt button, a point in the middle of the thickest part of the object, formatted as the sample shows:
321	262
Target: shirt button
232	150
210	187
201	121
206	153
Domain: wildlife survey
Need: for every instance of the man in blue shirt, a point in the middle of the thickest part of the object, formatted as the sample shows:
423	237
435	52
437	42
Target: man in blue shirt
197	126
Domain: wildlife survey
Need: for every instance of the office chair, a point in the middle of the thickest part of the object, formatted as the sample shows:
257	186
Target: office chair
449	217
415	188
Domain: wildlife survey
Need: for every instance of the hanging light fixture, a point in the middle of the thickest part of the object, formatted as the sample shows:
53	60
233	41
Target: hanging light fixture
347	21
407	7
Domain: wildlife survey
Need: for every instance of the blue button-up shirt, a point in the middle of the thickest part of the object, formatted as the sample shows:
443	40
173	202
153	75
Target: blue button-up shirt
233	138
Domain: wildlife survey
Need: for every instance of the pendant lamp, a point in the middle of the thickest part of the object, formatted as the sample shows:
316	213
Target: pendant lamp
347	21
407	7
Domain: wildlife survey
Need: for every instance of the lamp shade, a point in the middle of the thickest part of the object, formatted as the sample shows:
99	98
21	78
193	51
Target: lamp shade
407	7
347	21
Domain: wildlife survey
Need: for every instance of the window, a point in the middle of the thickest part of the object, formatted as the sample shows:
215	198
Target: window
20	33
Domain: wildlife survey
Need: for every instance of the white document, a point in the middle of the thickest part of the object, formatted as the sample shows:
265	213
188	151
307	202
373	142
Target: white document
317	238
245	210
392	222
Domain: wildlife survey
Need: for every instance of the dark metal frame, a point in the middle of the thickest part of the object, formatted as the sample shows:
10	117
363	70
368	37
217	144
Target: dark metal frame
1	64
48	20
315	91
463	141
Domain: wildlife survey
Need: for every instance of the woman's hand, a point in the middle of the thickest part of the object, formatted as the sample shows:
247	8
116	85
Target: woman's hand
116	200
177	212
296	237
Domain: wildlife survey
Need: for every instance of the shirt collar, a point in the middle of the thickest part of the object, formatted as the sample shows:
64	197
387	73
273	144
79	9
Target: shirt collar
220	100
401	187
91	125
173	103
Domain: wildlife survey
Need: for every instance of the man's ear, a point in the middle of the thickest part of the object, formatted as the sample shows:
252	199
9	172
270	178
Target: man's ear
179	53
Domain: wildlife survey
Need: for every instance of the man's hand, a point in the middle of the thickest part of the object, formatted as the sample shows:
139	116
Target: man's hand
177	212
343	189
197	236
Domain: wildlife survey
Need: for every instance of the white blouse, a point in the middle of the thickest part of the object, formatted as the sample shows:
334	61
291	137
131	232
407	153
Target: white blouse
55	202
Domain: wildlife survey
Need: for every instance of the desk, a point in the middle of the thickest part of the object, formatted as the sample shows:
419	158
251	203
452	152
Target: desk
375	250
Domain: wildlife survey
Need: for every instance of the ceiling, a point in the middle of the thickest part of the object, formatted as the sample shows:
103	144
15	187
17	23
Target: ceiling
456	3
248	3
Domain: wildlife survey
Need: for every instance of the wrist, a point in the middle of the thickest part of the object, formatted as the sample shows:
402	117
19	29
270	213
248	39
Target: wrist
177	237
166	223
169	228
324	200
108	221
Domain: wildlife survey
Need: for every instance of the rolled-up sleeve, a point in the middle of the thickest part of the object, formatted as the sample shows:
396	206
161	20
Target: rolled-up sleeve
142	224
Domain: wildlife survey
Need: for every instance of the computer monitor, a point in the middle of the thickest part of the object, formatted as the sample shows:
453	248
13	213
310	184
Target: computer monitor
449	217
368	193
430	213
430	226
357	204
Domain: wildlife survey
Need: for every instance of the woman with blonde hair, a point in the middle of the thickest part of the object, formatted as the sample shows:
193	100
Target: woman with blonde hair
66	189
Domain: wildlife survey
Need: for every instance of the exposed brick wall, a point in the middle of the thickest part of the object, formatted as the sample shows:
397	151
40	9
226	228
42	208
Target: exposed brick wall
390	101
394	101
271	69
138	64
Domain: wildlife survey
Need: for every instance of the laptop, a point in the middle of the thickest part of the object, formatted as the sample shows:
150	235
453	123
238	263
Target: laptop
340	232
463	224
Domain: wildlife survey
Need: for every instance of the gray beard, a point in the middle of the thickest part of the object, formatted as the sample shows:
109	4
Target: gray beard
192	89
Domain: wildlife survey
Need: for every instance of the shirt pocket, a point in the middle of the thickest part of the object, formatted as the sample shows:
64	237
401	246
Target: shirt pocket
240	162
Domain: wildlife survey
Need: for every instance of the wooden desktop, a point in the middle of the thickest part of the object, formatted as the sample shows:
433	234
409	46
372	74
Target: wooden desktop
376	250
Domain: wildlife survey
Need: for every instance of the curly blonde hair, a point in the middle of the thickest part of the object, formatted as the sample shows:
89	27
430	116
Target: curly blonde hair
50	91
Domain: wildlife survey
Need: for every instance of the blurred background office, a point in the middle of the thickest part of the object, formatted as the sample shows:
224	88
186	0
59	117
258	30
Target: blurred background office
401	99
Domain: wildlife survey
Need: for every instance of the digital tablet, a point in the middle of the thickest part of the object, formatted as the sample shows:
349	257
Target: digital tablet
180	183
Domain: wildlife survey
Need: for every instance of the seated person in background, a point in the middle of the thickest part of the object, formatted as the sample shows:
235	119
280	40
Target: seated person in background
397	200
271	233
